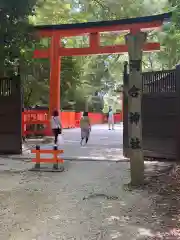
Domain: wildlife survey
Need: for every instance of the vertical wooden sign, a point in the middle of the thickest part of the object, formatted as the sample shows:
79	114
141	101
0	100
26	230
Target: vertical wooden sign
135	42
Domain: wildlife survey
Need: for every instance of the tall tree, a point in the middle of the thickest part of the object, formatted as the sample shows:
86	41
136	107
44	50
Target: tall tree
14	30
170	38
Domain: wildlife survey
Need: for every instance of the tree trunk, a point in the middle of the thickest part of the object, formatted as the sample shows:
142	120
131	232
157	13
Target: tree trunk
86	107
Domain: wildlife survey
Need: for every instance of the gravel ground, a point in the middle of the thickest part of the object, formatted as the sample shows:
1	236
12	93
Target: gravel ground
87	201
103	145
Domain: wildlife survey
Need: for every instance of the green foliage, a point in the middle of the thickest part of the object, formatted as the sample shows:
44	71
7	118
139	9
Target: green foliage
15	31
80	76
51	12
35	79
87	75
69	81
112	99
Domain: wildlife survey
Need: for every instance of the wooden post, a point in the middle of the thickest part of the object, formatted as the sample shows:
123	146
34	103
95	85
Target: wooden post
54	97
94	40
38	156
135	42
55	165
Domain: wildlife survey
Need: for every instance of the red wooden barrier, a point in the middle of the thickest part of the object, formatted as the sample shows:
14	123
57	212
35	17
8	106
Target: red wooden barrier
54	159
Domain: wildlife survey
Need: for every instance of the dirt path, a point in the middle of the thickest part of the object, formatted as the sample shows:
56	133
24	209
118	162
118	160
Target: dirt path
87	201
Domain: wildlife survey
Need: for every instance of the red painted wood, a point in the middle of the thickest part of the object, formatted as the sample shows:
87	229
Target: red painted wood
148	47
94	41
77	32
104	50
68	119
54	98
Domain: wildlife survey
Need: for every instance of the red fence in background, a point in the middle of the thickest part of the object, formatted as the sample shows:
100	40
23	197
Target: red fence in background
78	116
118	117
96	118
36	122
68	119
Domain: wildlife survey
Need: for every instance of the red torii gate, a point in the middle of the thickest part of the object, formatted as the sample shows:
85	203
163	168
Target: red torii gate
93	29
136	43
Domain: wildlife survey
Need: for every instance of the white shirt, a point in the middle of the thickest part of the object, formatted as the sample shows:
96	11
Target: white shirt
55	122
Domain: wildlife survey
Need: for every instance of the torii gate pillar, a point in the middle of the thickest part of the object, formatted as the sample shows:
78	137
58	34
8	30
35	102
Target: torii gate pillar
135	41
55	71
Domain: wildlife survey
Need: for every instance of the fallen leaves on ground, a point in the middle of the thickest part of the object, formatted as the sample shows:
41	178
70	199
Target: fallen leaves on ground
164	188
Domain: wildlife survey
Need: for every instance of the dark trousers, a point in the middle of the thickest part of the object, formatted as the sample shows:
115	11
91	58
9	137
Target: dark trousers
87	138
56	133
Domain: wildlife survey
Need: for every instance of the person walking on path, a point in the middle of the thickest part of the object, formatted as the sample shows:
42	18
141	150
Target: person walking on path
85	126
110	118
56	125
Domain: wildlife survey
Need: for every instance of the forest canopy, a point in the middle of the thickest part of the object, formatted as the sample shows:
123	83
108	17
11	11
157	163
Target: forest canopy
94	76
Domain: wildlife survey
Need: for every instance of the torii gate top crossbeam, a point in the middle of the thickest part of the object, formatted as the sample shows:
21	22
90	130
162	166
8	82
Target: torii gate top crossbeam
66	30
